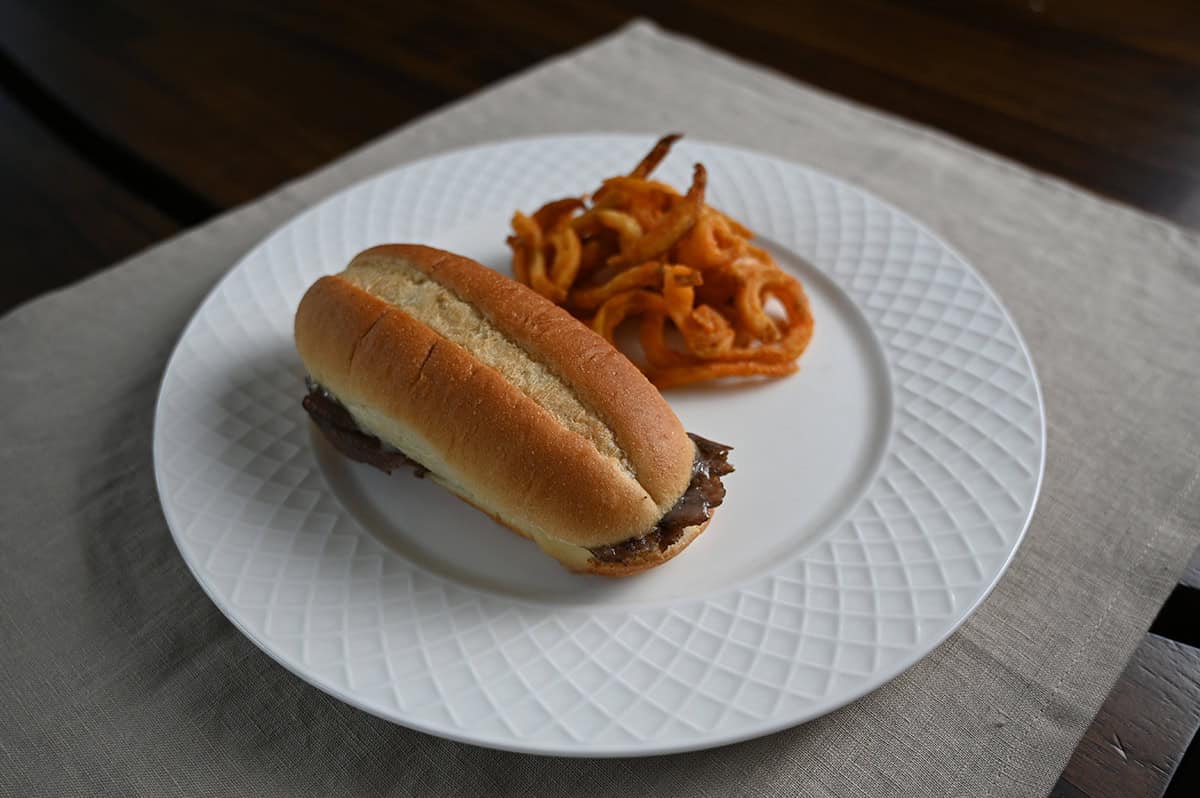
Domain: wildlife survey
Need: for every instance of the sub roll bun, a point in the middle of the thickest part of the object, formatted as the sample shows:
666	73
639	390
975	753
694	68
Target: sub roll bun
420	357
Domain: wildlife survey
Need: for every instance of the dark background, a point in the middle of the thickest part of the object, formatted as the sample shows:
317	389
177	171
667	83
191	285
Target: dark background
124	121
127	120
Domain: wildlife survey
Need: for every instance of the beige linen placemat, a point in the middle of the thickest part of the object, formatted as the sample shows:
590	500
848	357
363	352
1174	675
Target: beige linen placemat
117	675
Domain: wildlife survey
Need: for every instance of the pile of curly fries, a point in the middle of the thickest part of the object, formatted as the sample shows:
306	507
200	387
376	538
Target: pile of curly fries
641	249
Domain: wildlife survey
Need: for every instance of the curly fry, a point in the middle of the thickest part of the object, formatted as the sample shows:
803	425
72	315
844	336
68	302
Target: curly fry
735	226
618	189
719	289
652	335
520	259
648	275
621	307
567	253
712	242
597	249
754	277
628	231
705	331
679	292
676	376
790	293
788	348
530	236
655	156
669	368
674	224
647	201
558	212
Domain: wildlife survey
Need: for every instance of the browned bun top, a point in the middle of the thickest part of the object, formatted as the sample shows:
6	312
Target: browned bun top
605	381
507	399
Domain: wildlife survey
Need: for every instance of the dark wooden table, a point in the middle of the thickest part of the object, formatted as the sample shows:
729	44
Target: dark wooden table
124	121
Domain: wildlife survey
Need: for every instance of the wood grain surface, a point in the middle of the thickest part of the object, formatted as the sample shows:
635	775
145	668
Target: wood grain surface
63	218
200	110
1138	739
1101	97
127	120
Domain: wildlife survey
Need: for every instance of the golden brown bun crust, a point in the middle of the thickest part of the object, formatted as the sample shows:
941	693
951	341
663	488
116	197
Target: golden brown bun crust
644	425
499	448
489	442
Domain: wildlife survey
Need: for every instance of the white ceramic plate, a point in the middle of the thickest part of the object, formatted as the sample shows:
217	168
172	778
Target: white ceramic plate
879	493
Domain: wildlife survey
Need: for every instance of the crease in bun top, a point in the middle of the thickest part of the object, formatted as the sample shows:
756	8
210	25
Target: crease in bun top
418	357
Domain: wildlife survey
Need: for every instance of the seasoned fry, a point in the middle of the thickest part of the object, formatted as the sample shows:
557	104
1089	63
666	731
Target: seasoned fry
520	258
558	212
687	271
596	251
675	376
753	278
621	307
614	188
655	156
627	228
529	234
712	242
648	275
670	229
565	267
648	201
